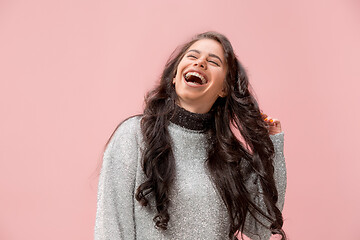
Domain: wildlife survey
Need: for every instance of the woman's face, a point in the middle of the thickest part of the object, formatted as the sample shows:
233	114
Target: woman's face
200	76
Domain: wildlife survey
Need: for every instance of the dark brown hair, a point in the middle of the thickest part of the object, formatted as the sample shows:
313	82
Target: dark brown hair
231	163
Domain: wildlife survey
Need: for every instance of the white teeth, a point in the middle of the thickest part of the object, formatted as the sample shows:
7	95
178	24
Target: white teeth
197	75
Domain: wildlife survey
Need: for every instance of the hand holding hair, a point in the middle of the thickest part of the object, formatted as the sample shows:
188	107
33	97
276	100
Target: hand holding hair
273	124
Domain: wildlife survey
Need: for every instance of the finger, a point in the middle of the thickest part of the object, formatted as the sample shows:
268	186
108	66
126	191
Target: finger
272	121
275	122
268	119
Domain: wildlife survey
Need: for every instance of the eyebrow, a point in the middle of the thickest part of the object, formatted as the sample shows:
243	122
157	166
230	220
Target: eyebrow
210	54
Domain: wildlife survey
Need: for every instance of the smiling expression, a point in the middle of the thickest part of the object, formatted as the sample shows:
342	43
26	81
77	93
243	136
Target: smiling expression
200	76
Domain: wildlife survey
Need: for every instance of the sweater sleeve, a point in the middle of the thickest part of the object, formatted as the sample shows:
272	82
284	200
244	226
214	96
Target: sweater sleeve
115	199
252	228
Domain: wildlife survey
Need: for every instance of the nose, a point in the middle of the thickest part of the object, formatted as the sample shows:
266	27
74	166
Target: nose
200	62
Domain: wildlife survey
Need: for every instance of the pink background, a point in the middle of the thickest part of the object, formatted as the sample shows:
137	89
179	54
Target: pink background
71	70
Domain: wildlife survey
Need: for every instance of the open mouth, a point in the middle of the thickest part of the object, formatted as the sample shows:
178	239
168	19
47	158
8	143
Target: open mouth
195	78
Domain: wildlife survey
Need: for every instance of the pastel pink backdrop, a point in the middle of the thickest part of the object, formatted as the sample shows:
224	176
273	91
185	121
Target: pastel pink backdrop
70	71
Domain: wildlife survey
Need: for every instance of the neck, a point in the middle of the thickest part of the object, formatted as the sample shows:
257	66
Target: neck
195	108
191	120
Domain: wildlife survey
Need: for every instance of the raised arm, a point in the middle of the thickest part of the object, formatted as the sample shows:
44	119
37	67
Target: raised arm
253	229
277	137
280	168
115	200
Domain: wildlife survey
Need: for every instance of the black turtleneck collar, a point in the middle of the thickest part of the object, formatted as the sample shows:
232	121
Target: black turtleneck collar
192	121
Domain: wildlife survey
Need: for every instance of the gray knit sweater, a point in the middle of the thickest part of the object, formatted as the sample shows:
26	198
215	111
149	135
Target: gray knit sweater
196	210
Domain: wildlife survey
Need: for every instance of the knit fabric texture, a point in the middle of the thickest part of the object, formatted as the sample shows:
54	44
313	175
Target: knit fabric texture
196	209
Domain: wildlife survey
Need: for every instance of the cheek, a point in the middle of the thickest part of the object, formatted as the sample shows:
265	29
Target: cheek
178	75
220	79
220	84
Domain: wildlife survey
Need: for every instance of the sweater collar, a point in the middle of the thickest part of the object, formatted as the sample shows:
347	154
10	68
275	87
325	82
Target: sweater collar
190	120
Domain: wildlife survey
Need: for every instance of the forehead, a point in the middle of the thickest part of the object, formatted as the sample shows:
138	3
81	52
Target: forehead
208	46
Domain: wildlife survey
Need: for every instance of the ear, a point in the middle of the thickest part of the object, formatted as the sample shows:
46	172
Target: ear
223	93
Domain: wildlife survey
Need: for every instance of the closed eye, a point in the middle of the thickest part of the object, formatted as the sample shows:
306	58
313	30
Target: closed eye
215	63
194	57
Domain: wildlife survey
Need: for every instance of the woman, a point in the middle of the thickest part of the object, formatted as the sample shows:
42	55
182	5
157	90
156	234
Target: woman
179	172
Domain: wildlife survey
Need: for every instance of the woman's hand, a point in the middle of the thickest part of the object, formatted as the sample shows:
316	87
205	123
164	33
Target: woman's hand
272	124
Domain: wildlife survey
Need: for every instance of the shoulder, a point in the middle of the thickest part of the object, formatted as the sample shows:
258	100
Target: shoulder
126	134
122	151
130	126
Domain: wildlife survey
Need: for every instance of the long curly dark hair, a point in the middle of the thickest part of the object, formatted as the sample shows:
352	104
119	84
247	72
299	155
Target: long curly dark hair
230	161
